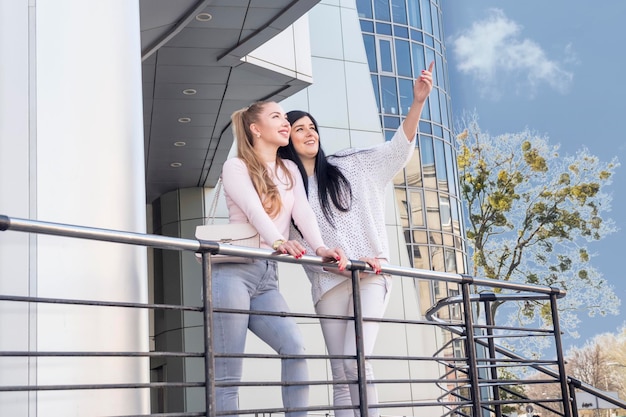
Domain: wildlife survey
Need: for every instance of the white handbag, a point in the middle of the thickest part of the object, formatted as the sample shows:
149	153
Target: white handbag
236	234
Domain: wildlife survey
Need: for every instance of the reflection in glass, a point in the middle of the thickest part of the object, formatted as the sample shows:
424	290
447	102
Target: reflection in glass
433	218
450	168
460	263
398	180
403	210
420	236
437	260
428	162
417	209
440	165
435	238
414	170
420	257
446	216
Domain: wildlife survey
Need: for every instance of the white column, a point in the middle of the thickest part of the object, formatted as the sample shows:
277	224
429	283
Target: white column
71	151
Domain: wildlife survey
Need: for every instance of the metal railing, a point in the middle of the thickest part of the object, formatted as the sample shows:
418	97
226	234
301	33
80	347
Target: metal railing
471	385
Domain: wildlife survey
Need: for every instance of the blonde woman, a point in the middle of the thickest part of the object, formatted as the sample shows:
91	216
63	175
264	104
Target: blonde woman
266	191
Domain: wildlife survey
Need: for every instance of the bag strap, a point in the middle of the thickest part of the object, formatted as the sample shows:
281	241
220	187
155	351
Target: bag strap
216	197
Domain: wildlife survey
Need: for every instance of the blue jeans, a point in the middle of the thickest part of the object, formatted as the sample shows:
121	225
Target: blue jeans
254	287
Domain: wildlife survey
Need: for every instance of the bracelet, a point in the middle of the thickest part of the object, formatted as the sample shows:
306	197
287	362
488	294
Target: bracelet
277	244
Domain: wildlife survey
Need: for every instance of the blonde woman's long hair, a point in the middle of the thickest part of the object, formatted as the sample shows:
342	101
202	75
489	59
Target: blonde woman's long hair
262	181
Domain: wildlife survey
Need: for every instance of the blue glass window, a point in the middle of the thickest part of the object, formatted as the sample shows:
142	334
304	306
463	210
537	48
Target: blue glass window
426	16
428	40
376	91
389	95
381	10
437	131
425	127
428	153
385	54
399	11
389	134
429	54
383	28
444	108
438	76
450	168
435	110
401	32
391	122
367	26
435	19
364	8
440	166
418	59
403	58
406	95
416	35
414	14
370	51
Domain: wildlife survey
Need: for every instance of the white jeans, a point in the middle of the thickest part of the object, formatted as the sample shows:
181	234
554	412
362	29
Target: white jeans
340	336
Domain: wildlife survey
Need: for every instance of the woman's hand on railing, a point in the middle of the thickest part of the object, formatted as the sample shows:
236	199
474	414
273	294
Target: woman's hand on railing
333	255
291	247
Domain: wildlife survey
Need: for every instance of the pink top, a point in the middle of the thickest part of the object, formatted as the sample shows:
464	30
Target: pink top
244	205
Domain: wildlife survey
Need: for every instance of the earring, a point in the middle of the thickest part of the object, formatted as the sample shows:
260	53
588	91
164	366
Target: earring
258	135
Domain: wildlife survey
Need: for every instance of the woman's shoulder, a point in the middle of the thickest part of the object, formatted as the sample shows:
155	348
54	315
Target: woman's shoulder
234	161
291	166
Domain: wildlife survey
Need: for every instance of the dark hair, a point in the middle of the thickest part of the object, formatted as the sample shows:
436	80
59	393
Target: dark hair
330	181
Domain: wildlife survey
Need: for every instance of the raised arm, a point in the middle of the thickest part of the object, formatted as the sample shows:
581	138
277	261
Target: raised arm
421	89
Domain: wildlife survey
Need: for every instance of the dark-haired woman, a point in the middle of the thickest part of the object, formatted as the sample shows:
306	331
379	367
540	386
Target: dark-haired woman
266	191
346	191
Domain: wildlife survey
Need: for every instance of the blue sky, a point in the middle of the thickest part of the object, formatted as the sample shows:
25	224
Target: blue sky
557	68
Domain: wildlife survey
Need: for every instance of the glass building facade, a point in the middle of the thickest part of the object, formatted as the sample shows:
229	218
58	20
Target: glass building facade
401	38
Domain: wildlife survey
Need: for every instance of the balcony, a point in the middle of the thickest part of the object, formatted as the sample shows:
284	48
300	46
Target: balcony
470	374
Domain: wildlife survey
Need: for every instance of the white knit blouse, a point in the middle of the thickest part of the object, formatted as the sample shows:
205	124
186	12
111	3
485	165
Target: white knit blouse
361	231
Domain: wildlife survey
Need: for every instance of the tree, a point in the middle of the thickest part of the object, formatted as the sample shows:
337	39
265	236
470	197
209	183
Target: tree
598	363
531	214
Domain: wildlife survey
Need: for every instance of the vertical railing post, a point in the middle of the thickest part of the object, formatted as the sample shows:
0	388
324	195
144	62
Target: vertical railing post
360	349
558	344
572	391
470	346
493	368
207	315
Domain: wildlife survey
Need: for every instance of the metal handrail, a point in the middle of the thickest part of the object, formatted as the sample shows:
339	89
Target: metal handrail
209	248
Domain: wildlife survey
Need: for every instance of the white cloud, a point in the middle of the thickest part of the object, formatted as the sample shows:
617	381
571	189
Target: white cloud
494	52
